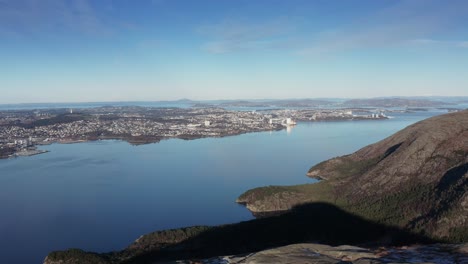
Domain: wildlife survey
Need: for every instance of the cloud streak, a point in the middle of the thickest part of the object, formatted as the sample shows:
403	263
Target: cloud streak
446	43
26	17
397	24
393	26
237	35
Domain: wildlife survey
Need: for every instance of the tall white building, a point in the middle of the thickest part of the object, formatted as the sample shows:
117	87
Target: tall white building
290	122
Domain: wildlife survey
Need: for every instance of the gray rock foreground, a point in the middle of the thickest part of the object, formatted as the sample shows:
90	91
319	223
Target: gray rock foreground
323	254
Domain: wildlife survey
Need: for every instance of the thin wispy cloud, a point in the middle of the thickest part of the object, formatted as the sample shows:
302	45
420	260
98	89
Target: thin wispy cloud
395	25
445	43
235	35
27	17
463	44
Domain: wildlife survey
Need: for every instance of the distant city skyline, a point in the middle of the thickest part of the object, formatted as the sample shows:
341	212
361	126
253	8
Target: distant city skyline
119	50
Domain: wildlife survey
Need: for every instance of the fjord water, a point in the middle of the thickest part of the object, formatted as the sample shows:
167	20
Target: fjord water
100	196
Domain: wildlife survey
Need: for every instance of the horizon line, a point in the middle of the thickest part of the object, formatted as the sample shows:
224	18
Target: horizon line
240	99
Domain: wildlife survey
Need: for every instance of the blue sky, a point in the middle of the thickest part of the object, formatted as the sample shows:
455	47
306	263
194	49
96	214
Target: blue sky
126	50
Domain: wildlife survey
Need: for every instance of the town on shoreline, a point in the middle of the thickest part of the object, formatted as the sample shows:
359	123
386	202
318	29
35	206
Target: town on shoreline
21	131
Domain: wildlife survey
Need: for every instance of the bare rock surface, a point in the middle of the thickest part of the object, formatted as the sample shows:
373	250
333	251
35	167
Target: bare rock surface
323	254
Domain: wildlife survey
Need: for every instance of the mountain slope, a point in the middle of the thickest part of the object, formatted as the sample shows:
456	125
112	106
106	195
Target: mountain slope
416	179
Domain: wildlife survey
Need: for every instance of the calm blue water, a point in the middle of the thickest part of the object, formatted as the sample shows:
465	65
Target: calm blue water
102	195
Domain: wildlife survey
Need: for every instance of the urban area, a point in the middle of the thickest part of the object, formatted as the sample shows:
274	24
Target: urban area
21	131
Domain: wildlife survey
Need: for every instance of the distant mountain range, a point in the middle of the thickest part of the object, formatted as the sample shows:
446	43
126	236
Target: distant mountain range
394	102
279	103
371	102
417	101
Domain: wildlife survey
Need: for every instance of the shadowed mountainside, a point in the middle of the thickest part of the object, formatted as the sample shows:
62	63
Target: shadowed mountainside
416	179
317	222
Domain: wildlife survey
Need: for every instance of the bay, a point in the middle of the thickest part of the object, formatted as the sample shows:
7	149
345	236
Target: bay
100	196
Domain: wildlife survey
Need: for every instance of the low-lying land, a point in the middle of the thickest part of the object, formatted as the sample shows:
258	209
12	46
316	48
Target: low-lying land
368	102
21	131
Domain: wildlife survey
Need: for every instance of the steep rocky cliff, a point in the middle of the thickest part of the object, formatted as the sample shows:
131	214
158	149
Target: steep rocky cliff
416	179
323	254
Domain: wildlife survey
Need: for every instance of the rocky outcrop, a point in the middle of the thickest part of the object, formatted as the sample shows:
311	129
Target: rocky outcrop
324	254
278	198
306	253
272	200
75	256
416	179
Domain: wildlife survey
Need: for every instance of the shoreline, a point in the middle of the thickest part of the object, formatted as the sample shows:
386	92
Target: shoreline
136	141
28	153
131	141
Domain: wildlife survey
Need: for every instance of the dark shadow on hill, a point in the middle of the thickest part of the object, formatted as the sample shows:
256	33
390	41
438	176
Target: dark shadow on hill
453	179
391	150
450	189
315	222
